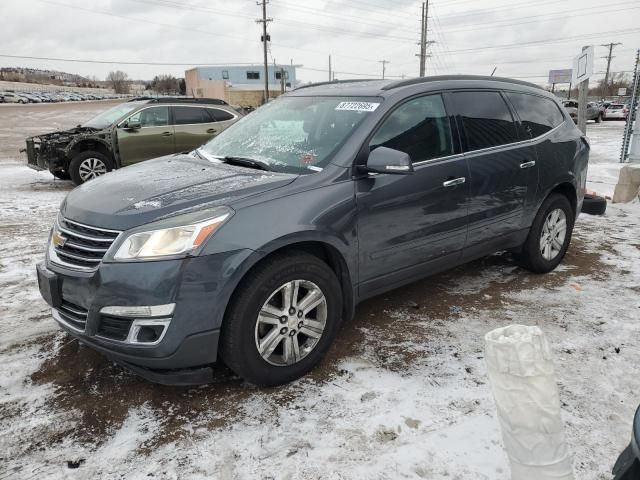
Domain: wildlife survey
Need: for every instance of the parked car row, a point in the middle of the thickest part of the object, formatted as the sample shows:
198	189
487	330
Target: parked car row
598	111
49	97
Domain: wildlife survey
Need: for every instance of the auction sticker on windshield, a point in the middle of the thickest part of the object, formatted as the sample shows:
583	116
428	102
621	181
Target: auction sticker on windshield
357	106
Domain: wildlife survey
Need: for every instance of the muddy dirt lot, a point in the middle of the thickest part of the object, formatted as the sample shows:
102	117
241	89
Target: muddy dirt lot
402	394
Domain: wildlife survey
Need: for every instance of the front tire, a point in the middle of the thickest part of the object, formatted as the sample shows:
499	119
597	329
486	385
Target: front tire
88	165
549	236
282	319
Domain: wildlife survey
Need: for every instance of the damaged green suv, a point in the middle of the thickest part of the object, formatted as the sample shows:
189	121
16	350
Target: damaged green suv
129	133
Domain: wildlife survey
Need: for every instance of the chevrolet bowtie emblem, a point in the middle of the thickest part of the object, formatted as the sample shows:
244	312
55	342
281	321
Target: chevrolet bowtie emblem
57	239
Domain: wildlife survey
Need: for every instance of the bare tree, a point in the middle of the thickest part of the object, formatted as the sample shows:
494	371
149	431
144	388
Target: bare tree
119	81
616	80
165	84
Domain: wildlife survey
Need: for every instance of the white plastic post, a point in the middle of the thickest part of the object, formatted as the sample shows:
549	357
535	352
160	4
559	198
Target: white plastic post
523	382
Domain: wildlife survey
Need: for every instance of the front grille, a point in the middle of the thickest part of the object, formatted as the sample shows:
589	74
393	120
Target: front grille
74	315
115	328
83	246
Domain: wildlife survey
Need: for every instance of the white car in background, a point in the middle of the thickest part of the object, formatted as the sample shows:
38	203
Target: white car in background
10	97
616	111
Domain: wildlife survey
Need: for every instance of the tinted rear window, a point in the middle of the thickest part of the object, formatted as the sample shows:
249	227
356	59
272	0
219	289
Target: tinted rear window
189	115
537	114
486	119
615	106
219	115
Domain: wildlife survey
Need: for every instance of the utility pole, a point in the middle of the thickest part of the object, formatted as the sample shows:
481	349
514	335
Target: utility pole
265	38
605	84
330	79
424	43
384	65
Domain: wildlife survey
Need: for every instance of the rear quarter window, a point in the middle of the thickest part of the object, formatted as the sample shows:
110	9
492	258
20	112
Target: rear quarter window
219	115
537	114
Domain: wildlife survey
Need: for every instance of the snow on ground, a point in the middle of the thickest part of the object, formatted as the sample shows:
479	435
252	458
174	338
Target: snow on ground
402	394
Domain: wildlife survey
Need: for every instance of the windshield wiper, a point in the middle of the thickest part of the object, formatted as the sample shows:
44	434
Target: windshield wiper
232	160
246	162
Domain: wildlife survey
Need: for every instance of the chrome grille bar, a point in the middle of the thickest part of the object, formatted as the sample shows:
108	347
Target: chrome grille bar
82	247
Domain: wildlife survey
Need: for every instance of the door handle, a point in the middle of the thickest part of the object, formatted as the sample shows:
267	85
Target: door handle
166	134
211	130
530	164
454	182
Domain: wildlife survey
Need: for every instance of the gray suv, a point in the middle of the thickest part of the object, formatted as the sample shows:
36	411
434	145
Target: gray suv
254	248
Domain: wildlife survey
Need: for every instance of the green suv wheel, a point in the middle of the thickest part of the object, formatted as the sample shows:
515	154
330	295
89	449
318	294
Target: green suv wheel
88	165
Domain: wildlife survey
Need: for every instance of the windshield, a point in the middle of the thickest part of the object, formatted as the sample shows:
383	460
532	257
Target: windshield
107	118
293	134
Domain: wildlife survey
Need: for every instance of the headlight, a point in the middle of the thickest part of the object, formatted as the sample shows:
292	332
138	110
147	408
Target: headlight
170	241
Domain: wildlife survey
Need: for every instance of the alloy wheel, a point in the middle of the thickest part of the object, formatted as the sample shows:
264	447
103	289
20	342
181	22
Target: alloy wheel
291	323
554	232
91	168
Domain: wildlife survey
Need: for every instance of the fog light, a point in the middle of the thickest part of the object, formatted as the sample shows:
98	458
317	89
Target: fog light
147	332
150	333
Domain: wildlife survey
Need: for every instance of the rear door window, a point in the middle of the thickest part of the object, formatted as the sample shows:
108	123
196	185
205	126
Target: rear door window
190	115
485	117
537	114
419	127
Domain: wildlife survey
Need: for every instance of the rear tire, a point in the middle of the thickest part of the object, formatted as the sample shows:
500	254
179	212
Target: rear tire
549	236
61	175
88	165
594	205
260	316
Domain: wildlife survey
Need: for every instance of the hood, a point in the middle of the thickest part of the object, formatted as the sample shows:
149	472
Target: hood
164	187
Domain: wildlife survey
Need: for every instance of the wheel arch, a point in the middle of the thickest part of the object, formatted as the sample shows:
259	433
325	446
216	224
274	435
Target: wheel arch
82	145
322	249
569	190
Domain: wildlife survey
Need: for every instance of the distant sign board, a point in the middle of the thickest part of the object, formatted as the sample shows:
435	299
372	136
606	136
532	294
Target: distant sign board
622	92
583	65
560	76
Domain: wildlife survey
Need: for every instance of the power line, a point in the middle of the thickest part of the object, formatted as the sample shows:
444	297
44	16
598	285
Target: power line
193	30
627	31
554	16
291	23
119	62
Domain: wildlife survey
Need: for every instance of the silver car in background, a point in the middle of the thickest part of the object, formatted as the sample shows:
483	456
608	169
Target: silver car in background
616	111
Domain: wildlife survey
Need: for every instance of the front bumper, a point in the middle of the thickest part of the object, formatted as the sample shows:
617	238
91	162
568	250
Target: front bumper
200	288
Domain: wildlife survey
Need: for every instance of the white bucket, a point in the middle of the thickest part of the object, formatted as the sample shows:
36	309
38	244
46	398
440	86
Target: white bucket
523	382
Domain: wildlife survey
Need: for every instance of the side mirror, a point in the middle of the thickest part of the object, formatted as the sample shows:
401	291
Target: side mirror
132	126
388	160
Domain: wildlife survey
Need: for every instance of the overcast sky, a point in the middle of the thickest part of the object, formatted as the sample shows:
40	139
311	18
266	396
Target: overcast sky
523	39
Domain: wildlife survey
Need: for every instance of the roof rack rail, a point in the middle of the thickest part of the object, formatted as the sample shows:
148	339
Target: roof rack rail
355	80
415	81
210	101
